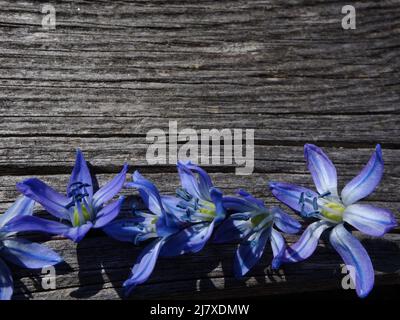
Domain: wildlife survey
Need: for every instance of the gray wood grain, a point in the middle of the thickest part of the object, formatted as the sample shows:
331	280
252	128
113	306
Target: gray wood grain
111	71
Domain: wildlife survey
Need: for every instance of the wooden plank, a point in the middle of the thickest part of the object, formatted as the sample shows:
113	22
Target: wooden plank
365	130
108	154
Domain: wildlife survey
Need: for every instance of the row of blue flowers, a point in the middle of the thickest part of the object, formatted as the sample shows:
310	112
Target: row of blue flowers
199	212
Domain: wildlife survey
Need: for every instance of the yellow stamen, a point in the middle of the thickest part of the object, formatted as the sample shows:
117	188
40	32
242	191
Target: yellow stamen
333	211
257	219
85	213
207	208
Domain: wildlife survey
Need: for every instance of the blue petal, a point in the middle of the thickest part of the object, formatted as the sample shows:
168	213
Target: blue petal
307	243
249	252
290	195
204	180
108	213
366	181
232	230
191	239
285	222
170	204
144	265
76	234
198	188
368	219
28	254
256	202
174	218
6	282
322	169
21	207
124	229
167	226
81	174
152	199
356	259
32	223
237	205
216	198
111	189
148	192
278	248
50	199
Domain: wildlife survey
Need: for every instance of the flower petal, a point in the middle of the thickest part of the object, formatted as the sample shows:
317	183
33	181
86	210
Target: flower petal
205	183
124	229
170	204
370	220
216	197
81	174
28	254
232	230
148	192
366	181
307	243
6	282
191	239
249	252
174	218
111	189
285	222
197	186
76	234
21	207
144	265
257	203
33	223
356	259
50	199
322	169
108	213
167	226
290	195
278	248
236	204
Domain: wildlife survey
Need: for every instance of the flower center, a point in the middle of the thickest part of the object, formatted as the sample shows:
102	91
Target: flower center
256	220
77	216
333	211
207	208
143	225
261	220
196	209
324	206
81	210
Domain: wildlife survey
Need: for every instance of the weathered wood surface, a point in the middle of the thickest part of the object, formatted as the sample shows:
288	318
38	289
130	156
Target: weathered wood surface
111	71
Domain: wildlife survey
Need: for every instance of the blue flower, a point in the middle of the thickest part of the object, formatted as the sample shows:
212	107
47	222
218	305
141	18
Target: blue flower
252	224
177	225
82	208
199	203
158	225
332	211
20	252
